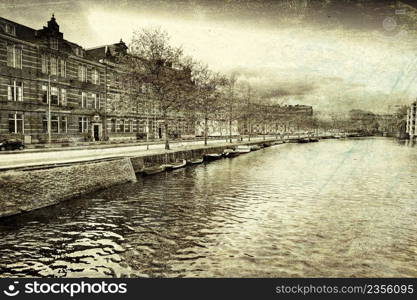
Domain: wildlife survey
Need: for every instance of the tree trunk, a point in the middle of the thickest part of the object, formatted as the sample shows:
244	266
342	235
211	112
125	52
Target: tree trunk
250	131
205	130
230	130
147	133
166	133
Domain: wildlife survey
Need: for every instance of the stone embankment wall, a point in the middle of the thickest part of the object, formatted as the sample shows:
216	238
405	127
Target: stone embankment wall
174	156
26	190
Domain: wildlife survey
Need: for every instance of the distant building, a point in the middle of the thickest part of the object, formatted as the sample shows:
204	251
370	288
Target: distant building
272	119
412	120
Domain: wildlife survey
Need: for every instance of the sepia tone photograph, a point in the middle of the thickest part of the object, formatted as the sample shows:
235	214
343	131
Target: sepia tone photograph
208	139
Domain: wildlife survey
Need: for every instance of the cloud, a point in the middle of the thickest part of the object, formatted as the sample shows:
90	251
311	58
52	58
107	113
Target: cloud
303	57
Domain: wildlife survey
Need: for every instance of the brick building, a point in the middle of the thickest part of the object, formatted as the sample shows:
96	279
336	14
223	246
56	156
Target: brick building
43	75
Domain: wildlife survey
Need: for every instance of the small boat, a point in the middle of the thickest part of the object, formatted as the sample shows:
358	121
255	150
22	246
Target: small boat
212	156
230	153
152	170
313	140
303	140
243	149
195	161
177	165
255	147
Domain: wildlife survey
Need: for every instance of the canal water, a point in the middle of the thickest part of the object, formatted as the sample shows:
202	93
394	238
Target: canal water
334	208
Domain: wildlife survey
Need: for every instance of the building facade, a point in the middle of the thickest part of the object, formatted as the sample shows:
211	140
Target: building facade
412	120
46	77
273	119
42	77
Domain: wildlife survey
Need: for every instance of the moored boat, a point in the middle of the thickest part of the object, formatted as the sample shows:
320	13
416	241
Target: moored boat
152	170
212	156
177	165
230	153
255	147
243	149
195	161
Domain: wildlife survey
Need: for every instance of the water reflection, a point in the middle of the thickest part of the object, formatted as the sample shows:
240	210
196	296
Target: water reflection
334	208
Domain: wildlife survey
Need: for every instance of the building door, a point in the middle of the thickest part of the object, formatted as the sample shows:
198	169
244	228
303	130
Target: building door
96	132
160	133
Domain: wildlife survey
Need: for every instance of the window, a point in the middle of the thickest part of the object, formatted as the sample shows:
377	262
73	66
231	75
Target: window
44	94
82	73
54	124
63	97
79	52
121	126
10	29
63	68
84	100
96	76
15	91
14	56
113	125
45	124
130	125
45	64
54	96
54	66
83	124
53	43
16	124
64	125
126	126
96	101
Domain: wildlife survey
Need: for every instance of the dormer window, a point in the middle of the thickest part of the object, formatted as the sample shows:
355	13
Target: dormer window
79	52
53	43
10	29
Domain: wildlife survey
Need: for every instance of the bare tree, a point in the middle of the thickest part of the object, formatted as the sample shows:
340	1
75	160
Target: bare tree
154	62
206	102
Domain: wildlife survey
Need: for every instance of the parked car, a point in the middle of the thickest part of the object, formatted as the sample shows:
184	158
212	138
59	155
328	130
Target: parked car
11	144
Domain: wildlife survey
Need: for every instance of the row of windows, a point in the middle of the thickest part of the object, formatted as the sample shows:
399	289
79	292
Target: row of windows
51	64
59	124
121	125
83	74
58	96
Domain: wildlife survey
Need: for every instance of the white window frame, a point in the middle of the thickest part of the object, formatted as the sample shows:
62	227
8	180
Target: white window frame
54	92
10	29
13	63
45	64
84	124
82	73
84	100
15	119
96	76
62	119
63	68
54	68
18	97
63	99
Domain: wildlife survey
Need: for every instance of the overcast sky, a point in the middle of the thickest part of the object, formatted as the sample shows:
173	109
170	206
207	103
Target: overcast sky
330	56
